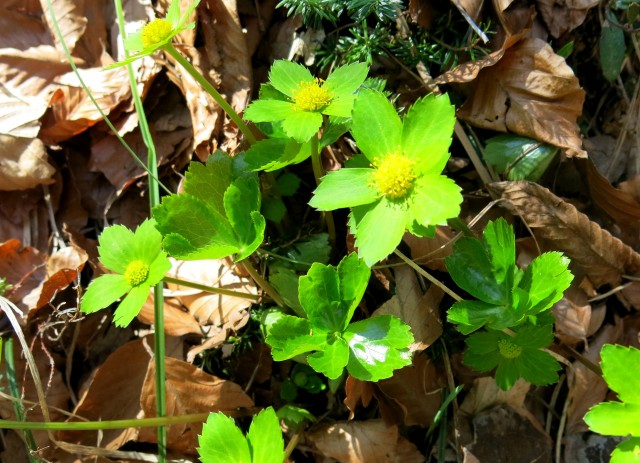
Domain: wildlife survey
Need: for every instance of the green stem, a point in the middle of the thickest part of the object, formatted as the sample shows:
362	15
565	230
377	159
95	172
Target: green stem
427	275
264	284
210	89
212	289
154	200
15	392
318	173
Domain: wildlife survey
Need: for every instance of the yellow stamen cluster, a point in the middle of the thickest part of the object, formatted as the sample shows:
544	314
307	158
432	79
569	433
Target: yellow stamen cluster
311	96
155	32
394	176
508	349
136	273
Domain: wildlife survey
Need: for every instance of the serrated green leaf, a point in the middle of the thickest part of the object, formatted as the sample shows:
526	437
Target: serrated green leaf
614	419
539	367
345	188
482	351
222	442
291	336
545	280
379	228
472	315
286	76
294	416
285	281
316	248
209	182
378	346
276	153
427	131
242	197
103	291
130	306
329	295
340	107
616	372
265	438
302	125
273	209
612	50
470	267
268	111
500	242
336	127
376	126
345	80
435	199
627	451
332	360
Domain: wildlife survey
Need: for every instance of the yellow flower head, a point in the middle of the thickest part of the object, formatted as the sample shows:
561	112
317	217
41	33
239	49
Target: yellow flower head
394	176
136	273
508	349
156	31
311	96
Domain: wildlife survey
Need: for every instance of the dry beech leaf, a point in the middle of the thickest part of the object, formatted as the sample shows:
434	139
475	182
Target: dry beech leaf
600	255
114	394
30	221
486	394
575	318
501	433
430	252
189	390
20	117
561	16
530	91
415	392
370	441
23	268
357	392
23	163
71	20
62	268
418	310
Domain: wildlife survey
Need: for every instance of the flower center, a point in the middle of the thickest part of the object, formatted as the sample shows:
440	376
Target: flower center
136	273
508	349
394	176
311	96
155	32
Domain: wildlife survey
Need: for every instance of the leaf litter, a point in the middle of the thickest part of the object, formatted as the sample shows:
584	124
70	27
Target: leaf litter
64	177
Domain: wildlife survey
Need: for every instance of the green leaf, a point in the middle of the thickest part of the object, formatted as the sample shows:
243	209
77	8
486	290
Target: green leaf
346	79
130	306
286	76
222	442
427	131
473	315
501	246
330	295
315	248
539	367
615	369
626	451
614	418
302	125
285	281
344	188
376	126
340	107
336	127
482	351
288	184
209	182
470	267
265	438
291	336
294	416
332	360
379	228
103	291
545	280
519	158
612	50
435	198
115	243
268	111
378	346
276	153
273	209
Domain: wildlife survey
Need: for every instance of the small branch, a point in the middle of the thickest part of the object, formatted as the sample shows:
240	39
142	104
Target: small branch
213	289
264	284
428	276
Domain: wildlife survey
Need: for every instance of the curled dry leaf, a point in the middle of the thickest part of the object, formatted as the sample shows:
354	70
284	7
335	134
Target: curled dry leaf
370	441
576	319
430	252
529	91
71	20
600	255
189	390
23	163
418	310
63	268
563	16
23	268
357	392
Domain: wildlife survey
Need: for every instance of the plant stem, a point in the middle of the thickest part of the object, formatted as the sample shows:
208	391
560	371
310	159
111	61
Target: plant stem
427	275
318	173
15	392
154	200
264	284
210	89
212	289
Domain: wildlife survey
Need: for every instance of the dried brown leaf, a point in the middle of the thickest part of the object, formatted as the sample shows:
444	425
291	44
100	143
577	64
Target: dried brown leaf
530	91
357	392
23	163
370	441
600	255
486	394
63	268
23	268
29	221
561	16
189	390
415	391
431	252
418	310
71	20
